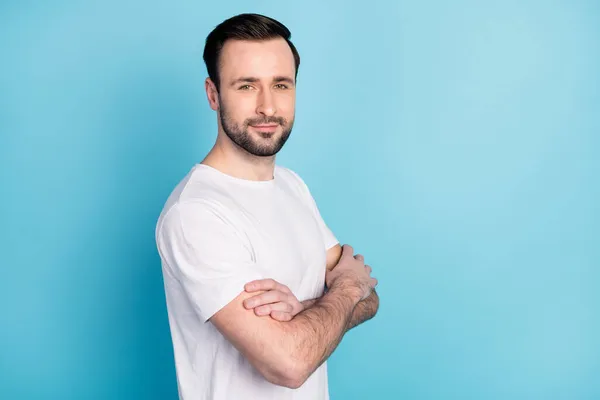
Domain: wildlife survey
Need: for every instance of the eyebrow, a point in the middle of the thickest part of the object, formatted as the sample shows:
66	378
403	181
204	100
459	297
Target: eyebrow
251	79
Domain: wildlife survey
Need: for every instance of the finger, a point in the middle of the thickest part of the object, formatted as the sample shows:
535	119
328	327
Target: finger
281	306
266	284
282	288
281	316
347	251
359	257
272	296
260	284
374	282
263	310
369	269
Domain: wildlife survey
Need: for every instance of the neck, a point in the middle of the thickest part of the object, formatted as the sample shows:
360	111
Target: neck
232	160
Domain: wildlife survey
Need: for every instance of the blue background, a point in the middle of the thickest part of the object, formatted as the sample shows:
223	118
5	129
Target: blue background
454	144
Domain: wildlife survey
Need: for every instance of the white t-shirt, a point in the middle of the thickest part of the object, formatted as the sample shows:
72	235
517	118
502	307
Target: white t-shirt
216	233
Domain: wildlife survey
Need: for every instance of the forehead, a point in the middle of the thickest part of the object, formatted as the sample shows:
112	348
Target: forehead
260	59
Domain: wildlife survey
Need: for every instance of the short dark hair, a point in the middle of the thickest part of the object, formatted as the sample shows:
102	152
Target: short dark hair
243	27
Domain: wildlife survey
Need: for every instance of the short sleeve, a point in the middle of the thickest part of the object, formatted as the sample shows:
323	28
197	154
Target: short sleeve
207	255
328	237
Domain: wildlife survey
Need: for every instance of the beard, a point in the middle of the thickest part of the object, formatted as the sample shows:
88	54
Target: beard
240	135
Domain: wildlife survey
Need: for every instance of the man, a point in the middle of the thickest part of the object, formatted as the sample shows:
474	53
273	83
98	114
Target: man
245	253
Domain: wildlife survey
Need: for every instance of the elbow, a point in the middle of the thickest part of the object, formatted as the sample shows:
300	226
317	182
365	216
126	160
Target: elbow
288	382
292	380
374	304
284	363
295	377
289	373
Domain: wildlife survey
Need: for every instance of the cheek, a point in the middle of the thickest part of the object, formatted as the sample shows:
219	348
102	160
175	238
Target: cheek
239	108
286	105
245	103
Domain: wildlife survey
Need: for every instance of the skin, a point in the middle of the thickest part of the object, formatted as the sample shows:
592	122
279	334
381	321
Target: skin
285	340
278	301
269	97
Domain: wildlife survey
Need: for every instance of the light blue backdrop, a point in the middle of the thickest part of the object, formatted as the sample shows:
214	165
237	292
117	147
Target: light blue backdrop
454	144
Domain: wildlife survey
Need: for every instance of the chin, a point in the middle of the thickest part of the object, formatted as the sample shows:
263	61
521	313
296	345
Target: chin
276	134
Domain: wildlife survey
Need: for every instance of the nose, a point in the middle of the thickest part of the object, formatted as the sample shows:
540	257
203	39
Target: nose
266	103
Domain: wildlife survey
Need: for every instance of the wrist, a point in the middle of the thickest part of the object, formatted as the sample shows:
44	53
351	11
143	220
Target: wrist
308	303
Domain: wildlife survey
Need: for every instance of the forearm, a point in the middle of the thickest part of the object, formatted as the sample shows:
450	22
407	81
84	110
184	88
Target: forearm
316	332
364	310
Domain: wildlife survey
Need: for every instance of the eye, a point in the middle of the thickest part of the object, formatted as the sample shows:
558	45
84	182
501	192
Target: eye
245	87
281	86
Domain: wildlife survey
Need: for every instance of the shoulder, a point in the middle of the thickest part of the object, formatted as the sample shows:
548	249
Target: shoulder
196	215
199	193
290	176
200	205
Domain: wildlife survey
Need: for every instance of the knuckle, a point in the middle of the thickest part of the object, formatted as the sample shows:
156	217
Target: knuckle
263	309
256	300
282	288
283	316
272	296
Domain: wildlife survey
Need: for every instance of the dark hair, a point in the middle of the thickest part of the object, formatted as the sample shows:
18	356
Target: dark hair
243	27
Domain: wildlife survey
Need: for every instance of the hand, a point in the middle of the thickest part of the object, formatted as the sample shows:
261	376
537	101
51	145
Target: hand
277	300
352	272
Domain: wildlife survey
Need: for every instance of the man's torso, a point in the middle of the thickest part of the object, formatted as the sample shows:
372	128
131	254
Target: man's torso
281	232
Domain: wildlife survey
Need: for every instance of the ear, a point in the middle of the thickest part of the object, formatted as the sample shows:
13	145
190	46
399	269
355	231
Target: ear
212	94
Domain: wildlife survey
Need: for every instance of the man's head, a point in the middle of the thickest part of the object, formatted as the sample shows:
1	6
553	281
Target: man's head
252	67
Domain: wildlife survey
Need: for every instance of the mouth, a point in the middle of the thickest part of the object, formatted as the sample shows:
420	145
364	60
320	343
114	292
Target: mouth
265	128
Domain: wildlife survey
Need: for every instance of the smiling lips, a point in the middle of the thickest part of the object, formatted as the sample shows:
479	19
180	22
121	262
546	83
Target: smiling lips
265	128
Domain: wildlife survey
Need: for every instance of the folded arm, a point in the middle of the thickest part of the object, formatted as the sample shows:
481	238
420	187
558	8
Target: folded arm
206	253
290	351
365	309
287	353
